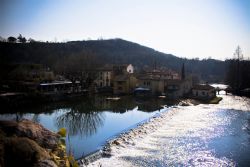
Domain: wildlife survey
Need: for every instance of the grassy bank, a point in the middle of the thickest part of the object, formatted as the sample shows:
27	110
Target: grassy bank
215	100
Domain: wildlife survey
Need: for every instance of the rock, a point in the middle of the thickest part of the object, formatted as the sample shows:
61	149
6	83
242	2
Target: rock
116	142
21	151
46	163
32	130
106	154
184	103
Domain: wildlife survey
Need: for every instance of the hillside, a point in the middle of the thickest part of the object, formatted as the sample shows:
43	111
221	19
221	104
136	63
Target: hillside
79	55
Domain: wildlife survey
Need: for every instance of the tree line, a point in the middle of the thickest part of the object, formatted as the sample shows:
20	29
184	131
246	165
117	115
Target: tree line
238	72
19	38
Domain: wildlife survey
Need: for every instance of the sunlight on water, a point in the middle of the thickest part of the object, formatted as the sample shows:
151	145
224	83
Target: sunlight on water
203	135
186	138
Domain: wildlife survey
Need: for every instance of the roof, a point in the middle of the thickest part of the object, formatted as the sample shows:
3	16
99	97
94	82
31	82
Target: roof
107	67
157	75
142	89
174	81
121	78
203	87
161	72
56	83
121	65
111	67
148	77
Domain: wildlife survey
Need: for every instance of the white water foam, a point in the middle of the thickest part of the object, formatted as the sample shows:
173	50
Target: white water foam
178	137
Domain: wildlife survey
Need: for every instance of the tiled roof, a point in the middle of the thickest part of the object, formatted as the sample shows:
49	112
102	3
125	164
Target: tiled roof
121	78
107	67
203	87
174	81
149	77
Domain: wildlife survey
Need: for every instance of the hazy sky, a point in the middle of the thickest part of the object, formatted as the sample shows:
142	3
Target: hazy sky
185	28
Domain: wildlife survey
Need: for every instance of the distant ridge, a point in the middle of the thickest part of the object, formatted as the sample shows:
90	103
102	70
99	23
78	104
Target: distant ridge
115	51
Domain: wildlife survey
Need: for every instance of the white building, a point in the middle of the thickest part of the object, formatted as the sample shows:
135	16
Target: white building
130	69
203	92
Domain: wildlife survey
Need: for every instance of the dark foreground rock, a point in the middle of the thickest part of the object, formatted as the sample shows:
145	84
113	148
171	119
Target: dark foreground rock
32	130
27	143
24	151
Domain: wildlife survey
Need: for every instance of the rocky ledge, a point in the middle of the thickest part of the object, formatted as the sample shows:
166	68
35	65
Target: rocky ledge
27	143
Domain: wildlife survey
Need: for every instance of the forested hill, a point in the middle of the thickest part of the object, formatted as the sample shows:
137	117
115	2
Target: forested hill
81	55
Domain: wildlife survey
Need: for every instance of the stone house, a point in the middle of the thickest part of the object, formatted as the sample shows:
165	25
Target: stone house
204	92
153	83
176	88
124	84
104	77
111	78
162	82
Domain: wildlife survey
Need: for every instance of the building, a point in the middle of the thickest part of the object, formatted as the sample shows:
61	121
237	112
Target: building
104	79
203	92
124	84
119	69
173	88
65	86
162	73
158	80
111	78
106	74
177	88
154	83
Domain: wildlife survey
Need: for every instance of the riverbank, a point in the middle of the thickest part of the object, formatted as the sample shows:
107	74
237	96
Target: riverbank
193	135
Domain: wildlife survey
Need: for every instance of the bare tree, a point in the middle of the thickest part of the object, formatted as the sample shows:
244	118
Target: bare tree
21	39
239	57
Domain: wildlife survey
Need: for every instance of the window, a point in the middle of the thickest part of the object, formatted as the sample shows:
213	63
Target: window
196	93
203	93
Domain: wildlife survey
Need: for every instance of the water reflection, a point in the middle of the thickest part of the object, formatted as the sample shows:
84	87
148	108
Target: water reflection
95	103
89	121
82	116
86	117
80	123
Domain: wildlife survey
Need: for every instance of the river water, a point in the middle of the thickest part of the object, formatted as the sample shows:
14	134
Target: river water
90	122
203	135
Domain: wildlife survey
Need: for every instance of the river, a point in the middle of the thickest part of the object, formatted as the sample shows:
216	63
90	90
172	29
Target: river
202	135
90	121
